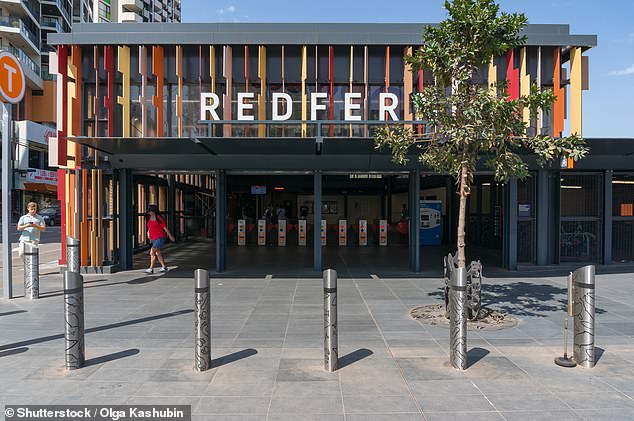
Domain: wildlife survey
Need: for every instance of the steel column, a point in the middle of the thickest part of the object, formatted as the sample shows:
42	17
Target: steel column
72	254
416	221
317	252
7	185
583	281
125	219
541	218
458	319
607	217
74	320
202	307
221	221
31	271
510	227
331	348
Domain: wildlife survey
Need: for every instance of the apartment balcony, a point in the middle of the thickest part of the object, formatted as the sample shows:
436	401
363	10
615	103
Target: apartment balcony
56	8
18	33
27	10
51	23
130	17
131	5
31	68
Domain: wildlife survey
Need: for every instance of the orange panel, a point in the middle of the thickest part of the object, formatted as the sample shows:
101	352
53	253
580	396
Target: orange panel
157	100
558	106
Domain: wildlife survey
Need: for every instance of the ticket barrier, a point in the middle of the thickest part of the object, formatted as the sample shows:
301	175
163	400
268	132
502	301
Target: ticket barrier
343	232
324	228
302	232
242	232
383	232
363	232
261	232
281	232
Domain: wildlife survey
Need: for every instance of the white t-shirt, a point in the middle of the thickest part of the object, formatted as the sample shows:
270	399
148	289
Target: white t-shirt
31	233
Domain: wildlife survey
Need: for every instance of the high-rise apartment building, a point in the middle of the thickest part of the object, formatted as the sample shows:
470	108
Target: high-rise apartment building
137	11
25	26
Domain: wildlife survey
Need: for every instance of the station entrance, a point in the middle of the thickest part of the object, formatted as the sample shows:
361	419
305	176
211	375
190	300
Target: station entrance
366	221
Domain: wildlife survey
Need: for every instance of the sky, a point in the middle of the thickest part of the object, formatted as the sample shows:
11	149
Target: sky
608	107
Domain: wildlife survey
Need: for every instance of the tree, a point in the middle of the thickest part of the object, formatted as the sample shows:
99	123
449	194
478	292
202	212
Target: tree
469	121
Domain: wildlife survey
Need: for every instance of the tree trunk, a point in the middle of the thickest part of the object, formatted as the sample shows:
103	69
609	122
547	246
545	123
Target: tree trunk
463	192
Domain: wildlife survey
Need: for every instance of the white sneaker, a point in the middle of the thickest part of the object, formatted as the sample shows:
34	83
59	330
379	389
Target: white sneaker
163	269
149	270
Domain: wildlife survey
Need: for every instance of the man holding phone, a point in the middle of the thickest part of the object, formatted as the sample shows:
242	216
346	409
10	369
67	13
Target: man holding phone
31	225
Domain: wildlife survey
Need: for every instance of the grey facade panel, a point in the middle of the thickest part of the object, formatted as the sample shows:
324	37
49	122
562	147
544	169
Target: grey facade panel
285	33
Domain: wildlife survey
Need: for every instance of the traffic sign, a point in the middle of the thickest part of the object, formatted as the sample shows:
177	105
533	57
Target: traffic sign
12	81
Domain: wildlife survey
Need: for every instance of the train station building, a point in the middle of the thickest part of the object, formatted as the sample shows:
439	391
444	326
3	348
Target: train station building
261	136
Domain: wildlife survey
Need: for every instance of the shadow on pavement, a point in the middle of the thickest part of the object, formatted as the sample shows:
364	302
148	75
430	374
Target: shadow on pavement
353	357
111	357
13	351
233	357
8	313
476	354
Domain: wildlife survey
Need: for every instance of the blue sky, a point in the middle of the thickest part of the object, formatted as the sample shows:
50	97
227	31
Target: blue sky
608	107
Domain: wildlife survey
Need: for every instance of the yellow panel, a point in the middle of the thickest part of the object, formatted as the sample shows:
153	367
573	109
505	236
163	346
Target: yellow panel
408	88
525	84
575	90
123	66
262	96
351	79
493	78
179	96
212	67
304	104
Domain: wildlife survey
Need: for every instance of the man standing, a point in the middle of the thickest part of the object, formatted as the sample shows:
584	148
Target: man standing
31	225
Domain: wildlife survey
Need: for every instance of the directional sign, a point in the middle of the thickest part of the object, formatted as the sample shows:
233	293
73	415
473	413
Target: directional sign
12	81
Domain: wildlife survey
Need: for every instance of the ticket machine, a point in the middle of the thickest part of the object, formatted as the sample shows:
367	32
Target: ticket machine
242	232
343	232
281	232
261	232
301	235
363	232
383	232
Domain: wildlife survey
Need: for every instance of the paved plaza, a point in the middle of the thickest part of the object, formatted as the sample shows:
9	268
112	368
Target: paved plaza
267	349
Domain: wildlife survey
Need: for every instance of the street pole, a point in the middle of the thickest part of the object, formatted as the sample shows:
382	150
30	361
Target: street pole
7	176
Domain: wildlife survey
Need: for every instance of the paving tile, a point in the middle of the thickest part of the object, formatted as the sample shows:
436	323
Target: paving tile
543	415
228	405
454	403
463	416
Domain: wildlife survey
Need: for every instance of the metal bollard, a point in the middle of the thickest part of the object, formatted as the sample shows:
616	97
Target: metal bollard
331	351
31	271
458	318
202	309
72	254
583	280
74	318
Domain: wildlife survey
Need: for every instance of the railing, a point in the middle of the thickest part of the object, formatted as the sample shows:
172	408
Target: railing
23	57
51	22
304	128
14	22
60	6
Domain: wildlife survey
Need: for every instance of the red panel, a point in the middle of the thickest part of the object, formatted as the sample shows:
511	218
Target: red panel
61	196
512	76
331	95
62	132
421	84
108	101
96	97
157	100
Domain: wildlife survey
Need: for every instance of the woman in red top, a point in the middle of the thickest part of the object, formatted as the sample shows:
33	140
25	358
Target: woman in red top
156	230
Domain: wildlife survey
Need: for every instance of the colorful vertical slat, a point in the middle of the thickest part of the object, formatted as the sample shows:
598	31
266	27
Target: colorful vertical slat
108	101
560	101
75	103
575	90
143	94
512	76
179	94
408	89
304	104
123	66
525	83
493	78
227	73
262	95
62	117
157	100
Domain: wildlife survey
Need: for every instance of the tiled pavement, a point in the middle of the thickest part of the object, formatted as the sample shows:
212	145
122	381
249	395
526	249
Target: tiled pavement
268	350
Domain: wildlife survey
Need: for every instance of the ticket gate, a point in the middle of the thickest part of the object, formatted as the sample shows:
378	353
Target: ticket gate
242	232
324	228
343	232
363	232
383	232
301	239
281	233
261	232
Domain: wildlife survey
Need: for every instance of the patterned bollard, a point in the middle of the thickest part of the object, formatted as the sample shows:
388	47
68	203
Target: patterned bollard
72	254
458	319
202	309
583	280
74	318
331	351
31	271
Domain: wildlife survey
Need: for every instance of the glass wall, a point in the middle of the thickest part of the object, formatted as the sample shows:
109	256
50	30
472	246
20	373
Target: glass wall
581	217
622	217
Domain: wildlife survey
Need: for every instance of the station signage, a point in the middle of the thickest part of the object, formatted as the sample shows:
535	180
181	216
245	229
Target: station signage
12	81
210	102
